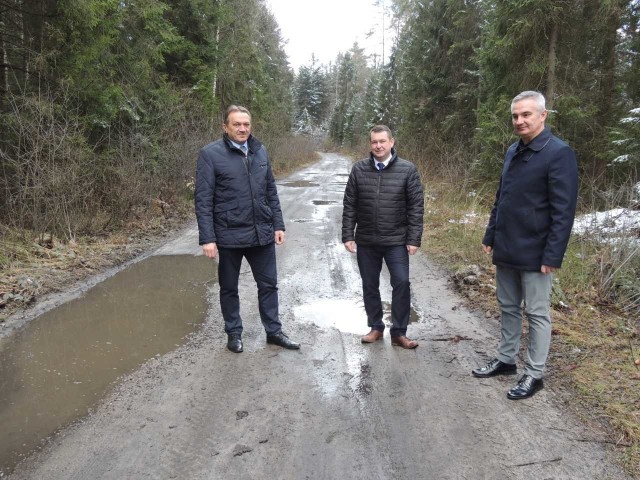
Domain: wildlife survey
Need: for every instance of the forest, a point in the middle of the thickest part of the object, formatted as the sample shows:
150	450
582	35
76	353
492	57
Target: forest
104	103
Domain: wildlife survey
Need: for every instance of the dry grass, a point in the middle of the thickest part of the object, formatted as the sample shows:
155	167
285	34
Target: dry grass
595	342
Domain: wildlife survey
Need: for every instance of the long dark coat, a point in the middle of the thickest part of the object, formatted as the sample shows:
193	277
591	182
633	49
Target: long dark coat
535	205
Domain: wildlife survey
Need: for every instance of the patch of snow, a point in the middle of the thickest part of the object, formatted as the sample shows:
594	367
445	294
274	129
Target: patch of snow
612	223
621	159
468	218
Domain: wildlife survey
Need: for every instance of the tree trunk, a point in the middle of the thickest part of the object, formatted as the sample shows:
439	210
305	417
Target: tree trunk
612	23
551	72
4	73
214	87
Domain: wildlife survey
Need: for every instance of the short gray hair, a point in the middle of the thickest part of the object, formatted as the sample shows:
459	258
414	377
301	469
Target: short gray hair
537	96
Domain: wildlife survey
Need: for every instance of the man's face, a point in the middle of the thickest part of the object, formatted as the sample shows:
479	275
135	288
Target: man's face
381	145
238	127
527	119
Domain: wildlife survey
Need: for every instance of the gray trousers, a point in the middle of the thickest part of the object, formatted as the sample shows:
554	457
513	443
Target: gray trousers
534	289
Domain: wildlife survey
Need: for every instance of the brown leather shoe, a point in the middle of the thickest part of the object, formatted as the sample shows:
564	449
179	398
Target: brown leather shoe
403	342
372	336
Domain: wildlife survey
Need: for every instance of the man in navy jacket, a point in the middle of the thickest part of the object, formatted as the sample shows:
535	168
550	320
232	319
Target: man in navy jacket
528	233
239	215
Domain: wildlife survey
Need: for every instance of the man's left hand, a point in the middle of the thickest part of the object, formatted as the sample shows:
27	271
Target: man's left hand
279	235
547	269
412	249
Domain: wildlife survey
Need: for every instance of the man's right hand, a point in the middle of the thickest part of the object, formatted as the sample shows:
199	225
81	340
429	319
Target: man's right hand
350	246
210	250
486	249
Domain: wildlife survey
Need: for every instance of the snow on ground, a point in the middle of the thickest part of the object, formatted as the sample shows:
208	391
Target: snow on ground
611	224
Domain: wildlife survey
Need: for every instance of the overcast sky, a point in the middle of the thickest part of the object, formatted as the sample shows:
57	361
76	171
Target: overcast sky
326	27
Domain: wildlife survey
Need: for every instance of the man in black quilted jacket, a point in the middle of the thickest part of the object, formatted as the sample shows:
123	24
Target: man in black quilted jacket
382	220
239	216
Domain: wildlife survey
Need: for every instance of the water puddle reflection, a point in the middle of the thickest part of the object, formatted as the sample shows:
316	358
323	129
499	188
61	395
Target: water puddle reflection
345	315
62	363
348	316
300	183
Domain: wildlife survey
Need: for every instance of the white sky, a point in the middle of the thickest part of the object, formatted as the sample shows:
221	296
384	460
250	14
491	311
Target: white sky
326	27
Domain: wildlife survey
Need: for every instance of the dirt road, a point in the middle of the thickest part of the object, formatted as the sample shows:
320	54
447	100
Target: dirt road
336	409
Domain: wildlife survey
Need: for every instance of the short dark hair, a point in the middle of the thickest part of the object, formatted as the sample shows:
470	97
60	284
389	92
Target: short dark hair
381	128
234	108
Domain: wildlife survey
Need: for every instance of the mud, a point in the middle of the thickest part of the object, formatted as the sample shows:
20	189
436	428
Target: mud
336	408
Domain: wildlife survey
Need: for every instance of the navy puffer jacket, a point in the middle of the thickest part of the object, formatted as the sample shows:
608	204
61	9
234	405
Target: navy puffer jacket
236	201
383	207
535	205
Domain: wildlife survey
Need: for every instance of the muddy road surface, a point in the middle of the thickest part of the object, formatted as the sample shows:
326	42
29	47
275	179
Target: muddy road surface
335	409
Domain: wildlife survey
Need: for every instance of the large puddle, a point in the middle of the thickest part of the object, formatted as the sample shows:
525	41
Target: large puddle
62	363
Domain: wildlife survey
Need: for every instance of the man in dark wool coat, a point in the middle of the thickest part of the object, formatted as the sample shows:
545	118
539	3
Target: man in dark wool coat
528	233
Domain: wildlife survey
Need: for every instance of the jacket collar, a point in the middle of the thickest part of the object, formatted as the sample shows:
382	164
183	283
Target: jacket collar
252	142
538	143
373	161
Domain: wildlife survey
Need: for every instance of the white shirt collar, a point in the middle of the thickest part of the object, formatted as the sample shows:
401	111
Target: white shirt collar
385	163
239	145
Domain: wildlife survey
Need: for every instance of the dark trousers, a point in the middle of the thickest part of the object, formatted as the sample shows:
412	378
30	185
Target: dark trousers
262	261
370	265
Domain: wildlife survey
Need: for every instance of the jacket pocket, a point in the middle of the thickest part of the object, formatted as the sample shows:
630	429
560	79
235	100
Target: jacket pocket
265	212
221	212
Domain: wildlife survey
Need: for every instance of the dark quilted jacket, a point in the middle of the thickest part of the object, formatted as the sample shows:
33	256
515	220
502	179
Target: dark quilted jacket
236	205
385	207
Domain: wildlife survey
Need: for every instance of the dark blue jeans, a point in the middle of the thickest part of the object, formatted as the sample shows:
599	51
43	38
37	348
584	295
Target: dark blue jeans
262	261
370	265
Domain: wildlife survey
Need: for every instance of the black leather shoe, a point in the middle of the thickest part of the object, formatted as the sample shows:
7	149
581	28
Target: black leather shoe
526	387
234	343
283	341
495	367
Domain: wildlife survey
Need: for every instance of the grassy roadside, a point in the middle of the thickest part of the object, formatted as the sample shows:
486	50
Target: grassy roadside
596	339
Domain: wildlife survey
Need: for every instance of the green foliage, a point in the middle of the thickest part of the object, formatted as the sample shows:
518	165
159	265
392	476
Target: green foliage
438	82
625	151
348	124
118	95
311	94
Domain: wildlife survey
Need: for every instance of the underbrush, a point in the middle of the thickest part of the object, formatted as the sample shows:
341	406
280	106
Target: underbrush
290	152
596	322
36	262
